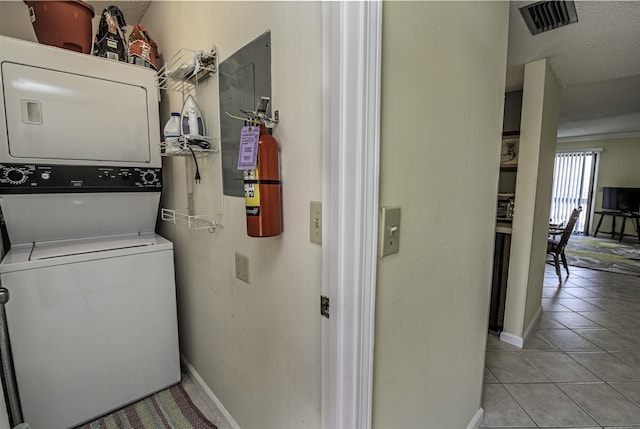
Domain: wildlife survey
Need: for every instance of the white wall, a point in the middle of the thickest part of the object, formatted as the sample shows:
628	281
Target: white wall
539	126
546	132
14	21
443	75
257	346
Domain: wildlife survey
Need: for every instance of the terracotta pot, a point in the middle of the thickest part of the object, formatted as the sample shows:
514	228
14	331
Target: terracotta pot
65	24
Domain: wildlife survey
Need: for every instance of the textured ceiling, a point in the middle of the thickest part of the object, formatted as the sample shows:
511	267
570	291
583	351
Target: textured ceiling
596	61
132	10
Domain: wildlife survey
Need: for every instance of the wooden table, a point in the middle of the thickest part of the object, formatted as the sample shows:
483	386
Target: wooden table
616	214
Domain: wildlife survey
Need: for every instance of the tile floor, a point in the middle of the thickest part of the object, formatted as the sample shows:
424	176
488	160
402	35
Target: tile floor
580	366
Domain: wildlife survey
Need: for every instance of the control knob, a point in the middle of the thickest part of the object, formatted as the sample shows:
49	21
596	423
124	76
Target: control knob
15	176
149	177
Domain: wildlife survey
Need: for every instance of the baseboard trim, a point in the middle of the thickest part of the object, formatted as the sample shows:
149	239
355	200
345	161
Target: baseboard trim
208	395
517	341
514	340
532	324
476	420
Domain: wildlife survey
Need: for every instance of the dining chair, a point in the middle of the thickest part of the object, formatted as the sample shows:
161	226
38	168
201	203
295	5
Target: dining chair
555	247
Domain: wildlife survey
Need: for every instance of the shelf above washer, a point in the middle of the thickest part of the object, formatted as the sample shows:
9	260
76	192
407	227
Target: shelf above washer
182	217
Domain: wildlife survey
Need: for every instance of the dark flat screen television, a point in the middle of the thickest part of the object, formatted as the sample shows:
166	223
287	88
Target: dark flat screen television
621	199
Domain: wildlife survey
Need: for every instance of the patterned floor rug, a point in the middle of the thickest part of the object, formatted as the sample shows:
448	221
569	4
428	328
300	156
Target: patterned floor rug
604	254
169	409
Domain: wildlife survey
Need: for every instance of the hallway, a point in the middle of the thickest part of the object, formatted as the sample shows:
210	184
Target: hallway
580	367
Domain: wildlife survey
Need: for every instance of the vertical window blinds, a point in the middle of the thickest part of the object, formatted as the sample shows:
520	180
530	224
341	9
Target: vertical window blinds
572	185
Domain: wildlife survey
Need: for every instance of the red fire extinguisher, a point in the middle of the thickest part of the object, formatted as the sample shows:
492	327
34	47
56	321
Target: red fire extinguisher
262	190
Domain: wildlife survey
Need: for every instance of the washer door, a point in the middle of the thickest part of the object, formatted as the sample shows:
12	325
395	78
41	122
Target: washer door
55	115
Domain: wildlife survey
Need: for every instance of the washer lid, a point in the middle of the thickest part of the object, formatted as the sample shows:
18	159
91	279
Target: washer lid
75	247
38	218
21	257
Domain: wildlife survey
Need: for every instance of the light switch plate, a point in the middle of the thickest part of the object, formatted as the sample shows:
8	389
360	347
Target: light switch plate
389	231
242	267
315	222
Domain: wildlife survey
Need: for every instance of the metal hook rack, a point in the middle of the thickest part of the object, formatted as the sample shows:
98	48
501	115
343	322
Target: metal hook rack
259	116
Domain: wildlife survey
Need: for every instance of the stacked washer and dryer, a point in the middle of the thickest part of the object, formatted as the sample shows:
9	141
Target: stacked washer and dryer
91	315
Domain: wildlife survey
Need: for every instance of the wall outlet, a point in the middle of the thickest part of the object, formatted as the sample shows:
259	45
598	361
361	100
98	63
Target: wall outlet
242	267
315	222
389	231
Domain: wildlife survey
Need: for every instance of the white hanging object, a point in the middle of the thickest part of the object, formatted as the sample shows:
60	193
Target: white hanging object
192	123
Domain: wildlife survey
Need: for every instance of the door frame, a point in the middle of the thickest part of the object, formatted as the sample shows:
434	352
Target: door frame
352	47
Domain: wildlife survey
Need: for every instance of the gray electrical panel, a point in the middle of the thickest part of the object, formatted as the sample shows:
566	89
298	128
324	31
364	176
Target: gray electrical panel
244	78
512	111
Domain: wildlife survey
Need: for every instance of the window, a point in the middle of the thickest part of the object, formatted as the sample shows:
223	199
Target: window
573	176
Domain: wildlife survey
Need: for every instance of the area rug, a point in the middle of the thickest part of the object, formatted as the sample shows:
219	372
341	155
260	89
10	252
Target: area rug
169	409
604	254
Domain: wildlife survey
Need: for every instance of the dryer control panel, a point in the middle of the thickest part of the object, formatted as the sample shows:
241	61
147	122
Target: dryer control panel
39	179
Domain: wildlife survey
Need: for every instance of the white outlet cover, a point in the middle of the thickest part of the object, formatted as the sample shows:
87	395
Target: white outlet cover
242	267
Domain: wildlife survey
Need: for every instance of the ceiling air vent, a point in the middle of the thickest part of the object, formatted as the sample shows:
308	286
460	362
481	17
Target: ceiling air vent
546	15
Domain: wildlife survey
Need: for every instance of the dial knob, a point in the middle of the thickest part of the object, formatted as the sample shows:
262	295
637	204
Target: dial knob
15	176
4	295
149	177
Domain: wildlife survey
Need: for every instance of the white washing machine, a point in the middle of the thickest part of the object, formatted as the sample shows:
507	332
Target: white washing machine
92	325
92	310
